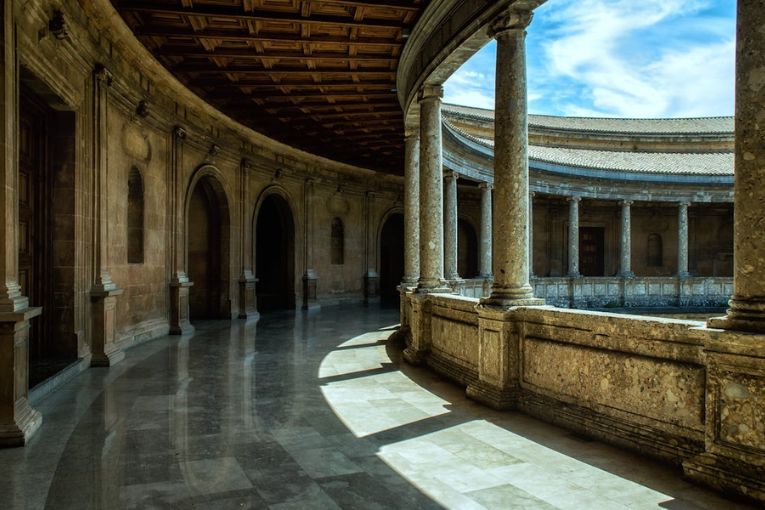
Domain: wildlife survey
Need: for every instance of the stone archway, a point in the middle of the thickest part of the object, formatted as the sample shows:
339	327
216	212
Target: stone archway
275	254
391	258
208	250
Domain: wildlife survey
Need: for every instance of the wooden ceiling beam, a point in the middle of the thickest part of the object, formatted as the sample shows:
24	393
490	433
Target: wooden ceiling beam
146	7
402	5
206	68
302	85
251	54
171	31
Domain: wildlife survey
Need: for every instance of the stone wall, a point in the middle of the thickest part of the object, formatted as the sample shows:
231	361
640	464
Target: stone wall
671	389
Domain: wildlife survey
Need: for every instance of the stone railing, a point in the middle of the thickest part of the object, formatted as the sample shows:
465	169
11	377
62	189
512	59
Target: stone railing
668	388
616	292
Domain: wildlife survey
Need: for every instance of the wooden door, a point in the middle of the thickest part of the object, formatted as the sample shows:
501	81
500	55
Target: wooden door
591	247
33	202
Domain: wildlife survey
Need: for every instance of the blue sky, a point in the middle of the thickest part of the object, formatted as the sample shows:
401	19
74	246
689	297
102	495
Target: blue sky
623	58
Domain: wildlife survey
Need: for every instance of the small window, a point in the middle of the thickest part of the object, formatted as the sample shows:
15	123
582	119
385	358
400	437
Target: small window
655	251
338	241
135	217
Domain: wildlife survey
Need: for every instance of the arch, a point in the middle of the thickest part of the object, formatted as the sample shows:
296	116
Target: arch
654	250
274	249
135	217
467	249
391	246
208	245
337	244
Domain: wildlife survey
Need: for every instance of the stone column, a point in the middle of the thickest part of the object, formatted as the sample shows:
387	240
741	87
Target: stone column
747	306
573	237
371	277
248	306
431	199
450	226
625	267
180	286
511	167
682	240
531	234
485	242
310	278
104	292
18	420
412	209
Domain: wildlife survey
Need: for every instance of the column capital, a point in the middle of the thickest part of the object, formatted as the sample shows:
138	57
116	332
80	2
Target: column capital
179	133
511	20
451	174
625	203
411	133
574	199
430	93
684	203
103	75
532	194
486	185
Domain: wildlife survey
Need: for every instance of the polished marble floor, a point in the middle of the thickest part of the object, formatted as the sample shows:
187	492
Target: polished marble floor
308	411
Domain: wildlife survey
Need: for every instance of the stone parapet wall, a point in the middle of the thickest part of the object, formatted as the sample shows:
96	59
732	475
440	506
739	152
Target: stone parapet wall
658	386
616	292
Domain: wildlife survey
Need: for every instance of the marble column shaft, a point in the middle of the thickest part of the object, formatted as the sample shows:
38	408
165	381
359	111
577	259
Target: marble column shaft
625	269
573	237
450	226
747	307
485	237
511	166
412	209
531	234
431	192
682	240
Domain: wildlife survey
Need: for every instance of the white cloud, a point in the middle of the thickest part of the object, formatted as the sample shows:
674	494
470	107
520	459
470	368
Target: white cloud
597	46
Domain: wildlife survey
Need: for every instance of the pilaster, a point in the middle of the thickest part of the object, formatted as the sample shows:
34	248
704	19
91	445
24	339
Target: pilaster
180	285
104	292
310	277
248	305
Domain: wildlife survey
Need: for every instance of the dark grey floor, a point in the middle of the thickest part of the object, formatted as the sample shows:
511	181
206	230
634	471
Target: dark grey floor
273	415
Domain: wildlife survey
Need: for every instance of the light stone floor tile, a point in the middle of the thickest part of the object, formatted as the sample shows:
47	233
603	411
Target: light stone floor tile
309	411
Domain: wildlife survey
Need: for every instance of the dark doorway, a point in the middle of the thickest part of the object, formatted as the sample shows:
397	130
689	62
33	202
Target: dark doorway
275	255
208	251
46	247
391	259
467	250
591	248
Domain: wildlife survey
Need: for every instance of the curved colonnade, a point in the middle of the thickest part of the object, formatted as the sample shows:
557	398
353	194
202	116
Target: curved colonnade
674	390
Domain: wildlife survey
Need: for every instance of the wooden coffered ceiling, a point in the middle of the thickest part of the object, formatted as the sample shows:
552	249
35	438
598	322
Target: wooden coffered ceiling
316	74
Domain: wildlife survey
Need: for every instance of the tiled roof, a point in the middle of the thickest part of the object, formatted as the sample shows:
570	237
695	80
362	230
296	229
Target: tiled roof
622	161
688	126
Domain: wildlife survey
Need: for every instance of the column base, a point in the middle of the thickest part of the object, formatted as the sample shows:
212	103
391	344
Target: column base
574	275
310	292
104	309
727	475
627	275
20	430
743	315
248	304
501	399
683	275
179	308
414	356
19	420
371	287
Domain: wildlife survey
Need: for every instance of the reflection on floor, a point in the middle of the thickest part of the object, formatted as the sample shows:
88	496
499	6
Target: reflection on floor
308	411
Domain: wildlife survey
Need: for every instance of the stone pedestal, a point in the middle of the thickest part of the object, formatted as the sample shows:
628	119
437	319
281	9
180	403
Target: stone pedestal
734	456
310	282
179	308
371	287
248	304
419	325
18	420
103	328
498	358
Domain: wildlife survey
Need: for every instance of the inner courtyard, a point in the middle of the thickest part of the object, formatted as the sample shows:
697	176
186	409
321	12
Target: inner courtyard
252	258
